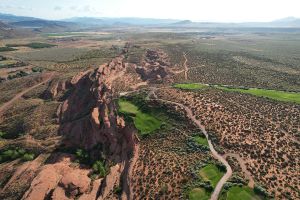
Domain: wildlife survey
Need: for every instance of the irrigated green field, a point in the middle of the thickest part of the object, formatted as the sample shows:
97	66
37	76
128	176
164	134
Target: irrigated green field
144	122
198	194
211	173
293	97
201	140
272	94
190	86
240	193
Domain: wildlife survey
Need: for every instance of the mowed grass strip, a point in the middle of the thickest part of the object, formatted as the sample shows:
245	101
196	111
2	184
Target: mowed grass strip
245	193
198	194
211	173
272	94
144	122
190	86
278	95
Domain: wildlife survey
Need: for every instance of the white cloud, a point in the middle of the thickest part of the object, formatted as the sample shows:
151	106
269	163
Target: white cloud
197	10
57	8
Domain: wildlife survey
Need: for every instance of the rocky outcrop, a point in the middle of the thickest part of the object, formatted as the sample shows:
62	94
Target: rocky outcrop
89	115
56	87
155	67
88	119
59	181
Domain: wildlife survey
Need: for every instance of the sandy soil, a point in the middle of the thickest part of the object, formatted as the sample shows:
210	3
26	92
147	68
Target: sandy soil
228	173
6	106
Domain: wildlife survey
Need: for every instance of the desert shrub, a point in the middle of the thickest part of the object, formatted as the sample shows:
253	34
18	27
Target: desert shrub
2	134
14	153
28	157
99	168
33	45
221	167
260	190
38	45
118	190
14	45
2	49
207	186
228	185
17	75
82	156
37	69
237	179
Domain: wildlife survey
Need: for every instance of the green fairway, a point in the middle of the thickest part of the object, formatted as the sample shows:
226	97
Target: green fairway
201	140
127	107
144	122
198	194
190	86
245	193
272	94
211	173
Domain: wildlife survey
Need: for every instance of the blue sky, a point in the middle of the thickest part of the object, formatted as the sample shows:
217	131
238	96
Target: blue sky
197	10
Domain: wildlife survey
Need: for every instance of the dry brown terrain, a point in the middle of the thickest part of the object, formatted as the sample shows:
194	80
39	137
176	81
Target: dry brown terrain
72	105
164	164
262	132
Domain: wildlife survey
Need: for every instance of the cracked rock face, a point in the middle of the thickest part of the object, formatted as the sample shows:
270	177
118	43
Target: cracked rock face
89	115
155	67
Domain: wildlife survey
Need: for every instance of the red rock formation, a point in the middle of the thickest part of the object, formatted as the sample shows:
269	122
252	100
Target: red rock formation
155	67
89	116
55	87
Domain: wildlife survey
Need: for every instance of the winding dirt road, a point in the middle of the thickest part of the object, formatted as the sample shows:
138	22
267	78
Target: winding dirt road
8	104
228	173
186	69
243	167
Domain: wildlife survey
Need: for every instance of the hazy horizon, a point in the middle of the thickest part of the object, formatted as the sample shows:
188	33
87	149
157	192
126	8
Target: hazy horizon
195	10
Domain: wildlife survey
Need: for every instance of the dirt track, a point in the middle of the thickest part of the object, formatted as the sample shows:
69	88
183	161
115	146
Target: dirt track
186	69
228	173
8	104
244	168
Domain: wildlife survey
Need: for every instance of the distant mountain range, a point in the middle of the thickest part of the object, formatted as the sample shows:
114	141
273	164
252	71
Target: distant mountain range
120	21
83	22
289	22
8	31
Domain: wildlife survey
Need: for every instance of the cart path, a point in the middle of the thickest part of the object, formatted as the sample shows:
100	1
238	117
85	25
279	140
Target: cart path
186	69
228	173
243	167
